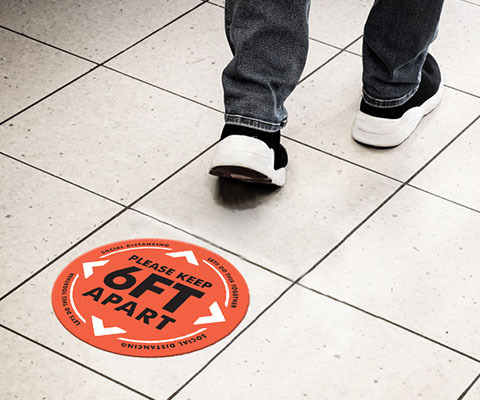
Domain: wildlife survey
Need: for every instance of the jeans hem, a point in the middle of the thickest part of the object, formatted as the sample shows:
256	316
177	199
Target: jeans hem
254	123
390	103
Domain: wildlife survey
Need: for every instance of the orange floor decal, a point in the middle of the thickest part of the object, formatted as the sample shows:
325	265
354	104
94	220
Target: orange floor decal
150	297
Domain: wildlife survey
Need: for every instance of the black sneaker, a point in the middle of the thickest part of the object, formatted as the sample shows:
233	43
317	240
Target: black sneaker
250	155
388	127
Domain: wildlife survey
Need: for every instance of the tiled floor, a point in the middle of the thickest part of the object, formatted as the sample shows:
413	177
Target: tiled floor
363	270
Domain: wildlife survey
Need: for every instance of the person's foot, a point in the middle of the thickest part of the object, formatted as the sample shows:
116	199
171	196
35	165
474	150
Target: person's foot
388	127
250	155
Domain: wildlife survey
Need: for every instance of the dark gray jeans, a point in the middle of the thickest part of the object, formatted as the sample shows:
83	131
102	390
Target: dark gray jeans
269	42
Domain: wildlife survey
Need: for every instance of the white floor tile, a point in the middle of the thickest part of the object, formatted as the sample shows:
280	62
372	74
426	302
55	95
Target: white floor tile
29	311
112	134
457	45
456	172
30	70
318	54
189	60
322	110
286	230
307	346
97	29
338	22
41	217
45	375
414	263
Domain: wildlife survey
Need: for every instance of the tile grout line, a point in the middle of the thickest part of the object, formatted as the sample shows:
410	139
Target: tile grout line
171	175
465	392
203	239
62	179
155	32
49	95
331	45
471	2
214	4
444	198
346	160
49	45
390	322
75	362
462	91
377	172
161	88
332	250
328	61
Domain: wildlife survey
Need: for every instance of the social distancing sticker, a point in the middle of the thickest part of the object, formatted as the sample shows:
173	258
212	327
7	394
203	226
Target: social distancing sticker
150	297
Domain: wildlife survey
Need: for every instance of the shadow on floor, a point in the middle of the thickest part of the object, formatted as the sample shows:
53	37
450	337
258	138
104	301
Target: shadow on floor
238	195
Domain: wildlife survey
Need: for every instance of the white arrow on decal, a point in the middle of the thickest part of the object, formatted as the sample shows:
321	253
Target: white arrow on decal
216	316
88	267
187	254
100	330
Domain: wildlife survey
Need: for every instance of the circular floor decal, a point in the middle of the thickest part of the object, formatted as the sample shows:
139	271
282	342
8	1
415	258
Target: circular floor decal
150	297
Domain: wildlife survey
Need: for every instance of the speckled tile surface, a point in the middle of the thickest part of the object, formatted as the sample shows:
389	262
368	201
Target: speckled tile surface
349	17
454	175
30	71
41	217
96	30
310	347
415	263
112	134
390	309
50	376
457	45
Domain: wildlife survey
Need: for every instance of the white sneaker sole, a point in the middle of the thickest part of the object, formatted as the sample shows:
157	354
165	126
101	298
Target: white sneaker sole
247	159
384	132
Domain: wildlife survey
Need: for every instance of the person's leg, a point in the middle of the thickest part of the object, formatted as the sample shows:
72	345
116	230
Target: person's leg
269	42
397	74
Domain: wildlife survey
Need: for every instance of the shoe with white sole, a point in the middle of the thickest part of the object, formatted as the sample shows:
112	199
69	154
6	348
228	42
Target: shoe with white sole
250	155
389	127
